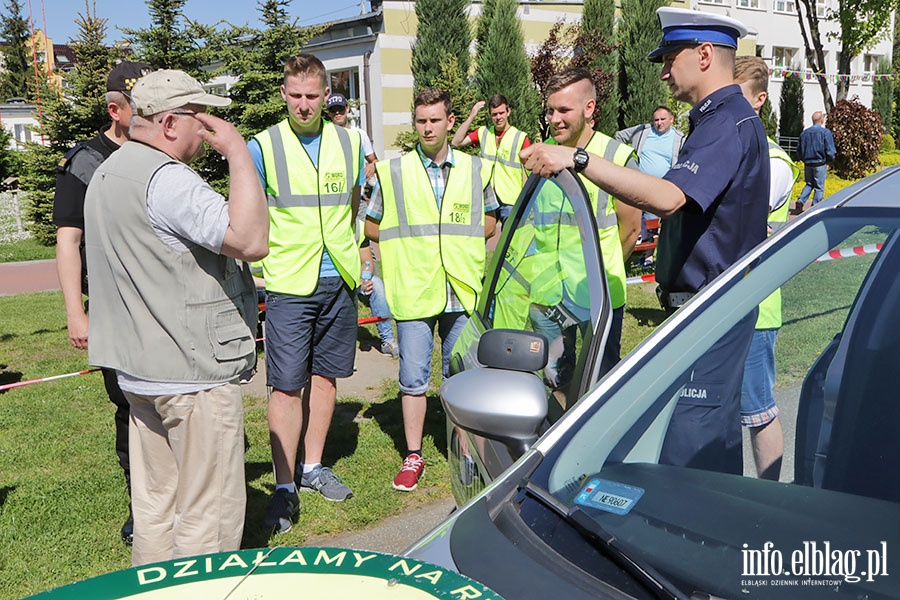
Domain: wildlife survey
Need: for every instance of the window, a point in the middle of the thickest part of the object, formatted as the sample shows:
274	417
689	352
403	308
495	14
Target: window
785	6
784	58
751	4
821	8
345	82
719	2
870	64
23	134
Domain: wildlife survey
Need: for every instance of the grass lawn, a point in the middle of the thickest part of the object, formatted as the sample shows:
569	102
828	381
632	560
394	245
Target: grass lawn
62	496
25	249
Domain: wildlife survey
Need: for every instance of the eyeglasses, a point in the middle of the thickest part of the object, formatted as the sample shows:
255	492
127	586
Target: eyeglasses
184	112
337	110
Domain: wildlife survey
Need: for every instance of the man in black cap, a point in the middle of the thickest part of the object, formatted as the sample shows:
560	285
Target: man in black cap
714	201
73	174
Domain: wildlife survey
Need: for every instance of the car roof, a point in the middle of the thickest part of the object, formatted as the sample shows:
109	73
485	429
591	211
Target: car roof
881	190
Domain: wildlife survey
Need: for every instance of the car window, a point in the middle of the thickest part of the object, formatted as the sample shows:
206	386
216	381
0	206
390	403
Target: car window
836	351
543	284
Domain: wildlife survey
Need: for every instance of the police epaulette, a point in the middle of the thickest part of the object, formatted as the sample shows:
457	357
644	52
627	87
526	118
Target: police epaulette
67	158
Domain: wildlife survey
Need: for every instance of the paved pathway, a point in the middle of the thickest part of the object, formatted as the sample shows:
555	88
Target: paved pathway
28	277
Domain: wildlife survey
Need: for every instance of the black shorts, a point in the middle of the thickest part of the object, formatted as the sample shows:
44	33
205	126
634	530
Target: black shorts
313	334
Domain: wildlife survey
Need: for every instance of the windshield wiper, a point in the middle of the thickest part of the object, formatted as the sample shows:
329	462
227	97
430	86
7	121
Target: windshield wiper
606	543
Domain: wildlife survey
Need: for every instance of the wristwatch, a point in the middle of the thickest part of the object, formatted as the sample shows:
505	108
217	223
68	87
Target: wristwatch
581	159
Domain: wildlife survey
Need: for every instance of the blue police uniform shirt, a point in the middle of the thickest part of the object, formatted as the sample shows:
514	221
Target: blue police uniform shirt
723	170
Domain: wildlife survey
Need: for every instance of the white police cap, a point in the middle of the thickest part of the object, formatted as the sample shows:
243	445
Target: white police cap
682	27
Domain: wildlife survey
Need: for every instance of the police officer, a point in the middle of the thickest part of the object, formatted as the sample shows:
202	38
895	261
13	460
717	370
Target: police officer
714	204
73	174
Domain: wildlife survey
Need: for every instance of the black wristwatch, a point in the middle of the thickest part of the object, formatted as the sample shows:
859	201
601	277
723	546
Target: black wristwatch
581	159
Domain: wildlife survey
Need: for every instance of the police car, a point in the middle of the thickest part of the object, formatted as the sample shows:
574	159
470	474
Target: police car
556	468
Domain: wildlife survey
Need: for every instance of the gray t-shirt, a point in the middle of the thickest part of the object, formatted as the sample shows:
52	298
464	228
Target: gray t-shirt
184	212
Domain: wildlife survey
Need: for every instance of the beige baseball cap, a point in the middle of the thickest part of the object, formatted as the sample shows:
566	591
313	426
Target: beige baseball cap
166	89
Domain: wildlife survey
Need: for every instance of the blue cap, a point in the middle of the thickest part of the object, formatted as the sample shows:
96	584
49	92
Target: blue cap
682	27
336	100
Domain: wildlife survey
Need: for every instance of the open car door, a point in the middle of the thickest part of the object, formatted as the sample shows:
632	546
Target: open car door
545	294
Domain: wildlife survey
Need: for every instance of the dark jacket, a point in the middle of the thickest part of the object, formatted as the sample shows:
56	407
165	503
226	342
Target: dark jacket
816	146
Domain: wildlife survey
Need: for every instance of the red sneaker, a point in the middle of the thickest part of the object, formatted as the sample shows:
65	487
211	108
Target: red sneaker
408	478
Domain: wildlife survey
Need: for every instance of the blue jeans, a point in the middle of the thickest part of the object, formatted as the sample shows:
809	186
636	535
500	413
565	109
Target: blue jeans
377	301
416	339
815	183
757	389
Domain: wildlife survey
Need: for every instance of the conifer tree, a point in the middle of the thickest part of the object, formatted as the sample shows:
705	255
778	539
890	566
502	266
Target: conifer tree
600	16
443	31
259	56
64	121
883	95
173	41
790	107
769	119
642	90
17	77
502	67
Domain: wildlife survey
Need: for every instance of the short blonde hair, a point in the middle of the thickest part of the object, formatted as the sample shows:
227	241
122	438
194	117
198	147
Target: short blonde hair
752	69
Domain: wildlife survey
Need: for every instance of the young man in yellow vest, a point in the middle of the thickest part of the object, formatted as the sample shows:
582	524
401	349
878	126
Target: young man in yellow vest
758	410
312	172
430	212
571	99
500	146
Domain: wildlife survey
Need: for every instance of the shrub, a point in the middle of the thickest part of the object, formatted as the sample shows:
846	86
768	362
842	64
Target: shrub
887	143
857	137
890	159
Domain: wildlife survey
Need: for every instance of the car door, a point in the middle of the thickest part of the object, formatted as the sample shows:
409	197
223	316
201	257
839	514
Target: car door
545	277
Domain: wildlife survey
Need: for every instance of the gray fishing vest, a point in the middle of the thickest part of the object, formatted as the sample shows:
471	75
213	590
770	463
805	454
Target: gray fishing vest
159	313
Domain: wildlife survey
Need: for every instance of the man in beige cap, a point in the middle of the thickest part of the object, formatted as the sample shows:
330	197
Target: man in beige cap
174	313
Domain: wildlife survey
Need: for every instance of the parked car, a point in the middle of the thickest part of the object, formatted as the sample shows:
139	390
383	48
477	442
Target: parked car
557	469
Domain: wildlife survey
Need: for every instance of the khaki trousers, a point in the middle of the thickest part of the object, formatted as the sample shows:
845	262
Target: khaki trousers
187	473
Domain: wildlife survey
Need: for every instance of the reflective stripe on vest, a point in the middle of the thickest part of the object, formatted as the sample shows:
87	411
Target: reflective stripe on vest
310	208
605	214
423	249
770	308
507	175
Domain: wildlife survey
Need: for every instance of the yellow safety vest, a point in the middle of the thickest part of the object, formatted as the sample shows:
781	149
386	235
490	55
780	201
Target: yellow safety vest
605	215
770	308
507	175
422	249
310	209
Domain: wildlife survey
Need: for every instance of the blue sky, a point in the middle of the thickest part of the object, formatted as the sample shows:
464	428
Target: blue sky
61	14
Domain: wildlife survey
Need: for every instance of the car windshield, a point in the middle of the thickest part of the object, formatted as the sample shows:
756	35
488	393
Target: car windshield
833	519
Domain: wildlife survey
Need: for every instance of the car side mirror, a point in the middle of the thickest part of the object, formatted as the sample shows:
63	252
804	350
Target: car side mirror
512	350
505	400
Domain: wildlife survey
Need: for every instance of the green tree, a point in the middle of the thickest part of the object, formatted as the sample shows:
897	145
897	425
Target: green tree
65	121
443	32
462	96
16	78
883	95
896	69
502	67
790	107
259	56
859	25
173	41
641	88
599	17
769	119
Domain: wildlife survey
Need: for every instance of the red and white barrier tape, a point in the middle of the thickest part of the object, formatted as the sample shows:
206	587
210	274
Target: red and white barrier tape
10	386
830	255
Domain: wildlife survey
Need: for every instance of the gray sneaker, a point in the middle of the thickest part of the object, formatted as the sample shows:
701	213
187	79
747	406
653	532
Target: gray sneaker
324	481
391	348
283	507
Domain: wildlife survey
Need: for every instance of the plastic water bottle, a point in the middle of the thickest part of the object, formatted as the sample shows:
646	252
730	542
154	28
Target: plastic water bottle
367	274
